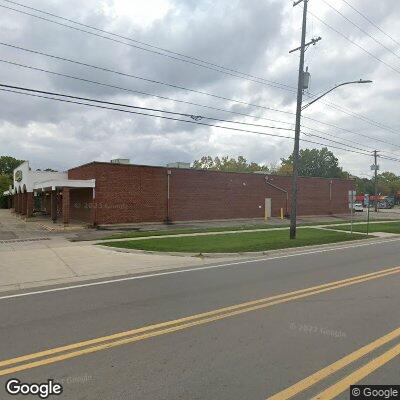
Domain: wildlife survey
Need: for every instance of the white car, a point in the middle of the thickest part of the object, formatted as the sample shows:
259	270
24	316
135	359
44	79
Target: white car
358	207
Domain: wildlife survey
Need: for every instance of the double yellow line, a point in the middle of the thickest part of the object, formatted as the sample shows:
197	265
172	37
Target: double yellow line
344	384
62	353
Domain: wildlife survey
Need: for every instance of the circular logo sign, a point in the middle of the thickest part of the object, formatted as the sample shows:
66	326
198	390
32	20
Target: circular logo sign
18	176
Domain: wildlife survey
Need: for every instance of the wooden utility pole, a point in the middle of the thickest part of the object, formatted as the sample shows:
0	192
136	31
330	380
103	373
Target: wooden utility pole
293	211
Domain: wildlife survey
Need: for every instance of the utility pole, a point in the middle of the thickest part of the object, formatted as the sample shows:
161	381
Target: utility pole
376	179
293	211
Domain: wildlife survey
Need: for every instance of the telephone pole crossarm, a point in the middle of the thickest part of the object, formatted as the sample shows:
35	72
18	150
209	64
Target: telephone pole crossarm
311	42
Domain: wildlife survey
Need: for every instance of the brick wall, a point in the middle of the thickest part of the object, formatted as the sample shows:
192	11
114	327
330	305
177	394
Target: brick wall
126	193
130	193
80	204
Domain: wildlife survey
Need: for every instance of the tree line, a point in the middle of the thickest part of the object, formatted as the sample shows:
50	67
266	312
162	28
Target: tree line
313	163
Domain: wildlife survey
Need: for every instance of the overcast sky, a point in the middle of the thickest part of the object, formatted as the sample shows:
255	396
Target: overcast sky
253	37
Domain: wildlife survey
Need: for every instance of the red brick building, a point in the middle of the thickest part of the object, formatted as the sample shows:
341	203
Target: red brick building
111	193
127	193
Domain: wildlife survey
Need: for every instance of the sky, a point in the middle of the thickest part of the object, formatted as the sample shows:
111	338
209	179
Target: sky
236	37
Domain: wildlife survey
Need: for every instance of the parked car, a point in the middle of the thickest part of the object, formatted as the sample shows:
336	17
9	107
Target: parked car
384	205
358	207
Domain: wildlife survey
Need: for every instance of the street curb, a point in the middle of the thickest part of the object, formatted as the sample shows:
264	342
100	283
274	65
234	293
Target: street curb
240	254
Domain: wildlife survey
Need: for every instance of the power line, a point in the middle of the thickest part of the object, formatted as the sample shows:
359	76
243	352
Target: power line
192	116
335	136
271	83
362	135
262	82
190	103
173	85
365	119
361	29
195	117
181	120
138	91
147	44
142	78
372	23
360	117
355	43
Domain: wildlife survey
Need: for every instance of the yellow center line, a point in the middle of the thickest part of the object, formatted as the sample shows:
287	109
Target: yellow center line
179	324
185	319
344	384
334	367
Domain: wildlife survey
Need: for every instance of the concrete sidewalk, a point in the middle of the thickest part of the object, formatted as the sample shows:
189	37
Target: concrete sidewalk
53	261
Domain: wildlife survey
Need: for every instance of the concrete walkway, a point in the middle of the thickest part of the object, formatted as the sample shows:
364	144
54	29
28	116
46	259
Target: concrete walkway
32	256
54	261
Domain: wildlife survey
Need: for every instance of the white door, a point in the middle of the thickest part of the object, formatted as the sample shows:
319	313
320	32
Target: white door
268	208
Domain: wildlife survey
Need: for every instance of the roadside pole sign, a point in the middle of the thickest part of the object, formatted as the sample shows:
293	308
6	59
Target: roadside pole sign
352	198
367	203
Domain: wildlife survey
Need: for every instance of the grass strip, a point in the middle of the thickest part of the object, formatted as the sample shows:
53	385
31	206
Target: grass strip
177	231
237	243
392	227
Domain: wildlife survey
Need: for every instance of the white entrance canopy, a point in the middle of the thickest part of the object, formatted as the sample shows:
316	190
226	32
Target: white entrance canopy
53	184
26	180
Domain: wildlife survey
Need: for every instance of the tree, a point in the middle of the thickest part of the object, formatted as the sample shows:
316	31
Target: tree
8	164
285	169
314	162
388	183
364	185
227	164
5	182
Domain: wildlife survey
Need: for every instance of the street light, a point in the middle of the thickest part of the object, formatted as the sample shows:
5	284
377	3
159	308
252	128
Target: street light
330	90
300	108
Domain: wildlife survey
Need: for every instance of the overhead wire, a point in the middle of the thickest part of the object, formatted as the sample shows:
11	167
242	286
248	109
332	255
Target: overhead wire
147	44
354	43
371	22
188	102
181	120
195	117
258	80
159	82
360	28
377	124
282	86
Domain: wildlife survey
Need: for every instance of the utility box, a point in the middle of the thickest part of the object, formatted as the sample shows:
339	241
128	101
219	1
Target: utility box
306	80
179	164
120	161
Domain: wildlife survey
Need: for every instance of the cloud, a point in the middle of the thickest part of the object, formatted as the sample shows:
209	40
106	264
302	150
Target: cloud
254	37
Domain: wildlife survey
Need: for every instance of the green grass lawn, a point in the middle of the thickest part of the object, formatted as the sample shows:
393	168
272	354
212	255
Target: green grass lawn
172	231
392	227
237	242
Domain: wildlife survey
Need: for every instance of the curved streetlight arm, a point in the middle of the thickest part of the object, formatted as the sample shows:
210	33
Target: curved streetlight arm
330	90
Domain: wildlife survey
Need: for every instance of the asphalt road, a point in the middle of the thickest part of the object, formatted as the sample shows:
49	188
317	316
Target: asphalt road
252	351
